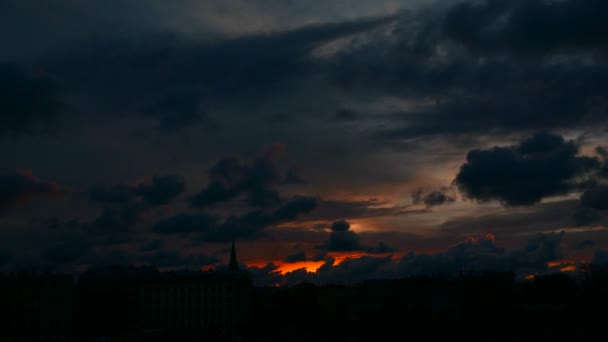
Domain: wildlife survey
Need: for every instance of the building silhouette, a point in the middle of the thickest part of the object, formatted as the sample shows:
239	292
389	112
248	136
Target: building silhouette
37	307
184	304
195	304
108	302
142	303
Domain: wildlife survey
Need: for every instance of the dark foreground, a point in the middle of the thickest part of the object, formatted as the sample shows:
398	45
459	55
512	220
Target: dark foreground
117	305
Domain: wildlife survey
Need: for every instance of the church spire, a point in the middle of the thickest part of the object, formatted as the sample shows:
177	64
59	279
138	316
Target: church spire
234	265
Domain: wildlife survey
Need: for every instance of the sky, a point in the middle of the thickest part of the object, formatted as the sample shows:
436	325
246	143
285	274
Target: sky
333	141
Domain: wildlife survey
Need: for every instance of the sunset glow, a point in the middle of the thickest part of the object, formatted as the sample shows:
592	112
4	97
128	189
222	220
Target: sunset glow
569	268
310	266
563	263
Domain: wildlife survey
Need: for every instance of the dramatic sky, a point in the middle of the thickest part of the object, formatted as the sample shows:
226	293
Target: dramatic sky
333	140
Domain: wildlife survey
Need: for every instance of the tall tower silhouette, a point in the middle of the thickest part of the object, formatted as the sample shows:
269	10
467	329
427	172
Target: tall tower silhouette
234	265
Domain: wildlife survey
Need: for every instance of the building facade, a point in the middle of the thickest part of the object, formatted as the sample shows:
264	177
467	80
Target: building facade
37	307
195	303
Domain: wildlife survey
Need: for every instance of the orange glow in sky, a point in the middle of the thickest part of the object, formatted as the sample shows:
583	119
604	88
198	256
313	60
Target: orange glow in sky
313	266
529	277
284	267
570	268
564	265
310	266
341	256
560	263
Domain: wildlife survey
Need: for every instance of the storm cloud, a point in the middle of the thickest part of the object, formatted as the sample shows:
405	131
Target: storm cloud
596	197
22	186
343	239
30	100
541	166
158	191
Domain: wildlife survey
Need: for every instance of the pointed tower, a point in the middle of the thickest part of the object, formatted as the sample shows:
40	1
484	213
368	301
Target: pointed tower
234	265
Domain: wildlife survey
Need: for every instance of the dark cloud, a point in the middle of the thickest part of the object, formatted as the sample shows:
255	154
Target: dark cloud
586	216
414	60
267	275
320	256
186	223
176	259
349	270
335	210
596	197
293	177
345	115
113	194
28	30
116	220
177	110
74	244
21	187
248	225
355	269
603	153
522	84
526	27
510	223
600	258
584	244
231	177
29	100
113	226
152	245
251	224
214	192
295	206
66	252
381	248
125	207
159	191
501	96
234	172
435	198
340	226
538	251
296	257
119	261
541	166
178	78
417	195
342	239
480	253
260	197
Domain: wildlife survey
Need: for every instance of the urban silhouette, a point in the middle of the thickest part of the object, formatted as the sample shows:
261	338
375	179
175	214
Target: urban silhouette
127	303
